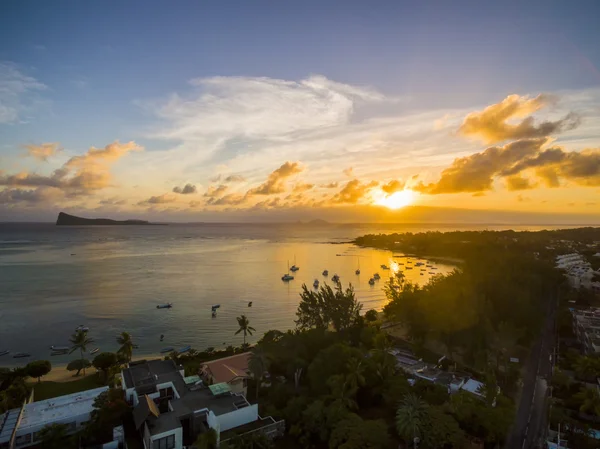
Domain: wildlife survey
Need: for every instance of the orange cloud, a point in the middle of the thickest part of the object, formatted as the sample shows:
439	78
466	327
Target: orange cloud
43	151
392	186
80	175
517	182
490	125
353	192
275	182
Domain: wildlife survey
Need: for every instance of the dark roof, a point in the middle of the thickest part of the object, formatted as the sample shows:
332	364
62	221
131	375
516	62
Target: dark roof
142	411
150	373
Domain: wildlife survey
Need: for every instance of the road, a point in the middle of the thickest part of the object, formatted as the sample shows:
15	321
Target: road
530	421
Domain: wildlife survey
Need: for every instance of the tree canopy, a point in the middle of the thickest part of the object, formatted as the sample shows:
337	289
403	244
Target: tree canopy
327	307
38	368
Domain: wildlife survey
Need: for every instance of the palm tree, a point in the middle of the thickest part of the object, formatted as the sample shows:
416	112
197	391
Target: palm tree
258	363
80	341
126	349
587	367
590	401
53	436
355	377
411	417
244	327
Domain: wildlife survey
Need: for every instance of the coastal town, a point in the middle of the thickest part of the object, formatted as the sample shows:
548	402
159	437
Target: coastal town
367	362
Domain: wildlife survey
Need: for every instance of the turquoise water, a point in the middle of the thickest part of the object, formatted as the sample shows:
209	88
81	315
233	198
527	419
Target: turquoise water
53	279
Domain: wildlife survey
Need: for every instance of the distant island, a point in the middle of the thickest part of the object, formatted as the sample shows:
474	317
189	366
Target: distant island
71	220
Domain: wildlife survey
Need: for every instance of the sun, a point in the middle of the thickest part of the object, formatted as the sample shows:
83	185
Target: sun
396	200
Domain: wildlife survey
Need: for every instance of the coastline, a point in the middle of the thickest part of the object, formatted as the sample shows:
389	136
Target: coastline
59	372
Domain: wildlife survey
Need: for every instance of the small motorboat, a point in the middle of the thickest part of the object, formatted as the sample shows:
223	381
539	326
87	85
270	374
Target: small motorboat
376	276
431	272
165	306
409	268
294	268
82	328
423	269
93	351
316	283
371	281
335	278
250	304
73	254
20	355
215	307
185	349
384	267
166	350
4	352
325	273
422	274
162	337
53	353
59	348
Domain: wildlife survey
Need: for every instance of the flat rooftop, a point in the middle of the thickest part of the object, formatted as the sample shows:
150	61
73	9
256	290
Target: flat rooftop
62	407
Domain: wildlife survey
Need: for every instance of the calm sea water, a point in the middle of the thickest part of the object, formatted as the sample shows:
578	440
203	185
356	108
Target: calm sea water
53	279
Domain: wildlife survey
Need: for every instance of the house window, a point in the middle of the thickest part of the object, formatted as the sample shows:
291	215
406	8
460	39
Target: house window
23	439
165	443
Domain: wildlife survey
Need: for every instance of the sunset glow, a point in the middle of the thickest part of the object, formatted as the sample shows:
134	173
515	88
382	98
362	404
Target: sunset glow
397	200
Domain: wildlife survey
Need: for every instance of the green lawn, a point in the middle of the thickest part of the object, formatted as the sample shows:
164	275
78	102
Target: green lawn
46	390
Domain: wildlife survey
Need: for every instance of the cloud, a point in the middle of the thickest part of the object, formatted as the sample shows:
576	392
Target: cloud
41	195
16	93
353	192
476	173
215	192
232	199
43	151
185	190
114	201
302	187
348	171
159	199
331	185
517	182
275	182
490	125
234	178
523	199
392	186
80	174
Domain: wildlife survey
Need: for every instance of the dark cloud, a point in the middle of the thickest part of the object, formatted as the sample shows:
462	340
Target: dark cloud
275	182
32	196
186	189
476	173
234	178
490	125
353	192
392	186
517	182
159	199
114	201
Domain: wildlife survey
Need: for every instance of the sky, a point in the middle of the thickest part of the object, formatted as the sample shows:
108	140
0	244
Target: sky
354	111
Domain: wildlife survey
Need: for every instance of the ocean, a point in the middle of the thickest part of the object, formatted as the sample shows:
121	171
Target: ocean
111	278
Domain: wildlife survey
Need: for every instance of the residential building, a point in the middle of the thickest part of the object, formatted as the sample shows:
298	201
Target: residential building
26	422
171	413
578	271
586	326
231	370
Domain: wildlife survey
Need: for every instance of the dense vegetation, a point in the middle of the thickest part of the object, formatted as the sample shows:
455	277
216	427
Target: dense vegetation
337	386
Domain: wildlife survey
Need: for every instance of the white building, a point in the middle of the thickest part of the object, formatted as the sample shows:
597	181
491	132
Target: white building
73	410
170	414
578	270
